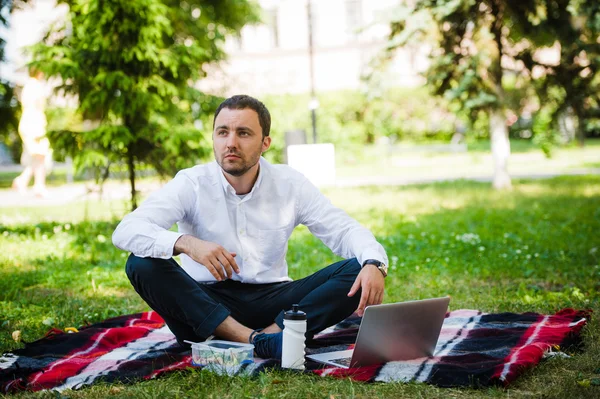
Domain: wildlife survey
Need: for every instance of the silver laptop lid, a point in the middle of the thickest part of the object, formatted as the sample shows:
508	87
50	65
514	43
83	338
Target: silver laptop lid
399	331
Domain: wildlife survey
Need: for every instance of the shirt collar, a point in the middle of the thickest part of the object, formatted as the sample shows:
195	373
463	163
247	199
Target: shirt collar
228	188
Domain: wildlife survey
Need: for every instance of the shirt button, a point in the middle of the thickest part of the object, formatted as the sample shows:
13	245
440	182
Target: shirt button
242	231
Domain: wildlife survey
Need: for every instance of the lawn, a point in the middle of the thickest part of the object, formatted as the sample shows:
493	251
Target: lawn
535	248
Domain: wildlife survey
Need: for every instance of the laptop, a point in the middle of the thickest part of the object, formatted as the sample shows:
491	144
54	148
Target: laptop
392	332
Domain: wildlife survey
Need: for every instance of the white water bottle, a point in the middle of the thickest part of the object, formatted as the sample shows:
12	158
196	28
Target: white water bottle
294	328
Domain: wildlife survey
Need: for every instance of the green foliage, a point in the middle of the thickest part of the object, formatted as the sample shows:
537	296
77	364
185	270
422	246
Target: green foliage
484	50
572	84
532	249
9	105
351	117
132	66
9	117
472	38
544	136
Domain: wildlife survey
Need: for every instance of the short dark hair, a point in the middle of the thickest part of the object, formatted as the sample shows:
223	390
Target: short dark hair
242	101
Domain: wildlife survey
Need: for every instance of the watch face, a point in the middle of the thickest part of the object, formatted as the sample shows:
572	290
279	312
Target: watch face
383	267
380	265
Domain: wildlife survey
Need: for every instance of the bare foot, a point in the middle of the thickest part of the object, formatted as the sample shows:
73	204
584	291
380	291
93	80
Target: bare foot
40	192
18	186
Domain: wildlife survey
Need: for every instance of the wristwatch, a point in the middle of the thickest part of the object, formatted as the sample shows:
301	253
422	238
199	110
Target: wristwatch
380	265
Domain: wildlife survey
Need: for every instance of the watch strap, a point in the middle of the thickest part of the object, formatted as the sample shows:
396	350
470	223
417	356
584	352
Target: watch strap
380	265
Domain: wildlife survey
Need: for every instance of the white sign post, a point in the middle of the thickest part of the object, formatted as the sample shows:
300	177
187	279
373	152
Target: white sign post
315	161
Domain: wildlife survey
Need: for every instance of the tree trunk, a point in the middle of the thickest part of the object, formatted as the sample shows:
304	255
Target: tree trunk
567	125
370	137
498	129
579	128
131	167
500	150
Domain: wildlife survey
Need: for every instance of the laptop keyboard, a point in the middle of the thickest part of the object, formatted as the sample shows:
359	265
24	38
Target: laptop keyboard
344	361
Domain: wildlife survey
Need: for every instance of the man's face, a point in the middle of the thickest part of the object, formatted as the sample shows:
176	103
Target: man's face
237	140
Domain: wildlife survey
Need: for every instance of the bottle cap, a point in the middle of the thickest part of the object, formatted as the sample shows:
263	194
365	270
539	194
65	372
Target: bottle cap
294	314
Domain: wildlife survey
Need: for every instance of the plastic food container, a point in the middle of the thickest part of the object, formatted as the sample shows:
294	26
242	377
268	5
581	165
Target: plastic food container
226	354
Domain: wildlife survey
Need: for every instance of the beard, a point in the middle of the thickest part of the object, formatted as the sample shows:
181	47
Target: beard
237	166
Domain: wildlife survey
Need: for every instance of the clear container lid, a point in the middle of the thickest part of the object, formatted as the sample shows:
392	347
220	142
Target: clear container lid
221	345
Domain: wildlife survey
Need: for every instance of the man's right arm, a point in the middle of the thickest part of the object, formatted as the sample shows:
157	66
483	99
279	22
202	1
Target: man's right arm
145	231
217	260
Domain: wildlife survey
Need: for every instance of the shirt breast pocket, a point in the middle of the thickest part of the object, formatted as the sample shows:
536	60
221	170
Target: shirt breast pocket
273	245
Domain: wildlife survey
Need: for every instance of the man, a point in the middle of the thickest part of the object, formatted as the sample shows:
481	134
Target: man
235	217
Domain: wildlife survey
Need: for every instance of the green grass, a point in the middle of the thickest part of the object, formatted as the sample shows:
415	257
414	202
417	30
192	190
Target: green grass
535	248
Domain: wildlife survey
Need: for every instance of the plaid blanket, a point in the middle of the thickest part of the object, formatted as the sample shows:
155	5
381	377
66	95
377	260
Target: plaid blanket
474	349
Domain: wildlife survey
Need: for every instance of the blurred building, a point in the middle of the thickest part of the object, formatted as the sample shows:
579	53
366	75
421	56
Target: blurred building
273	57
27	26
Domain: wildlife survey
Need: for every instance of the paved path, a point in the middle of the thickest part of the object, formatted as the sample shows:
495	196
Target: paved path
69	193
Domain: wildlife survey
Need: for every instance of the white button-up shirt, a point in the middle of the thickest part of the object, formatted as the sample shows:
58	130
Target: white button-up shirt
256	226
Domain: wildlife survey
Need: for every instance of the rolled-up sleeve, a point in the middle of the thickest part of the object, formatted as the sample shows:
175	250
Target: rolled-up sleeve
341	233
145	231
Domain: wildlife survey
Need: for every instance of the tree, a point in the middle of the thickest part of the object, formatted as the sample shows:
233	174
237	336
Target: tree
474	44
570	86
133	65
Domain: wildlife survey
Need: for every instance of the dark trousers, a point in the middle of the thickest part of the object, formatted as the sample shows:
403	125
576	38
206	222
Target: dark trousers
193	310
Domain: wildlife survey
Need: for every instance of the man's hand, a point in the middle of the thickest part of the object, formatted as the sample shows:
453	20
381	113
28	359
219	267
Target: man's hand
219	262
372	282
